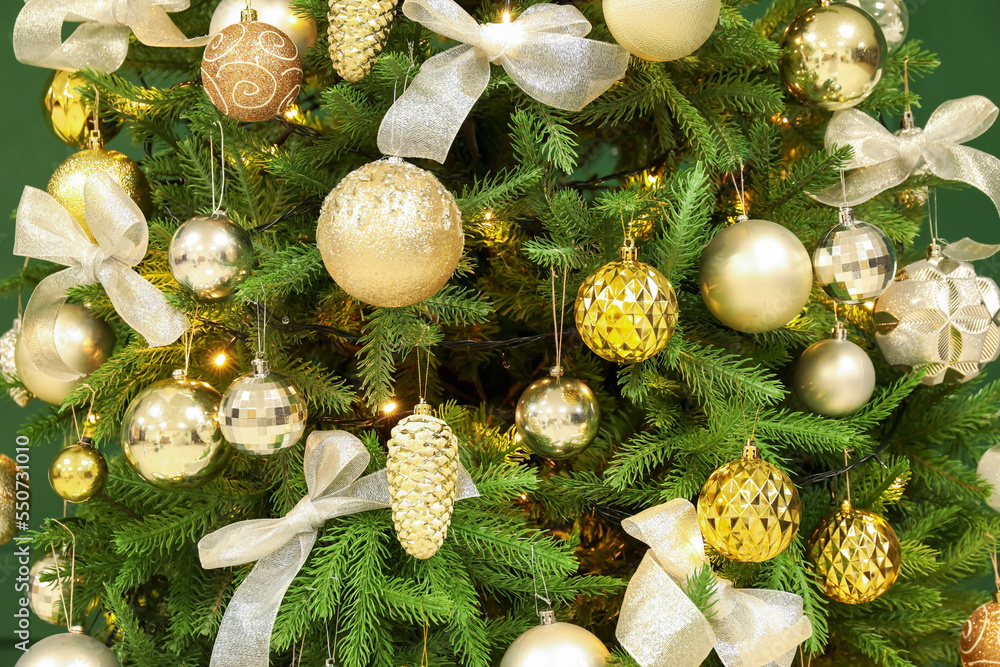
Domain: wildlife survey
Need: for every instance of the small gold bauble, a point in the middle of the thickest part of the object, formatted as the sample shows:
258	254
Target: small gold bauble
749	510
66	113
557	417
855	554
78	473
626	311
980	645
661	29
834	376
9	488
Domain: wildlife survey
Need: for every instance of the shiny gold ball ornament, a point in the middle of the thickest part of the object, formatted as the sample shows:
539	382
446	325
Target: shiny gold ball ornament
854	261
48	599
8	363
756	276
855	553
69	649
390	234
554	644
833	55
251	70
12	492
171	436
749	510
661	29
834	377
210	256
358	31
423	480
557	417
67	114
262	412
279	13
980	645
78	472
626	311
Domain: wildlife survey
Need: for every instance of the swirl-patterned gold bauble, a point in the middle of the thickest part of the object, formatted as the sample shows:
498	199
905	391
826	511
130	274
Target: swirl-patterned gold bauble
749	510
390	234
626	311
661	29
66	113
980	645
251	71
9	488
855	553
279	13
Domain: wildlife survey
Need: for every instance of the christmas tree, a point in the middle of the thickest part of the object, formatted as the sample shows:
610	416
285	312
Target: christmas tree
625	216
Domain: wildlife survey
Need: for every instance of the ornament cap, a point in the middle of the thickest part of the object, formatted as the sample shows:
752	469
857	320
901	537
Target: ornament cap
77	629
629	252
750	450
845	506
423	408
248	14
556	372
547	616
95	141
934	251
839	332
996	598
179	374
394	159
742	217
847	216
261	368
907	122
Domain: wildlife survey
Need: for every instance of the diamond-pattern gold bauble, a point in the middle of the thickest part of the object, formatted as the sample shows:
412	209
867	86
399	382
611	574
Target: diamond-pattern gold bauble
8	497
980	645
423	479
856	555
749	510
358	30
626	311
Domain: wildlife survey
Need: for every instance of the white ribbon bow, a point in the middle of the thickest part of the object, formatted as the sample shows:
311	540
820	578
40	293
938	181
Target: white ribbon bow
46	230
333	462
101	43
661	627
884	160
543	50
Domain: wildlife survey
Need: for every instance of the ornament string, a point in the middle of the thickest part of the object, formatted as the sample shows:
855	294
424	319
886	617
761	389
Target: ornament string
843	186
97	110
534	583
740	191
72	575
558	322
847	472
222	164
993	561
424	380
261	324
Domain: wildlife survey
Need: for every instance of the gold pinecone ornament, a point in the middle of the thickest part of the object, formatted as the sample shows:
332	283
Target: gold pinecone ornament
358	31
423	480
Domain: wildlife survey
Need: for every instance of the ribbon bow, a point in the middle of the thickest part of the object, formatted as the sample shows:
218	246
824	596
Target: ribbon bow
101	43
543	50
661	627
334	460
46	230
883	160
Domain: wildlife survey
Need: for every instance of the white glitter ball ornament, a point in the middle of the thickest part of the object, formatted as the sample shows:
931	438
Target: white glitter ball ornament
262	412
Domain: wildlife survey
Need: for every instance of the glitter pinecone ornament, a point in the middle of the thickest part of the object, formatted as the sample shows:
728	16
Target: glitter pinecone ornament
423	480
358	31
981	636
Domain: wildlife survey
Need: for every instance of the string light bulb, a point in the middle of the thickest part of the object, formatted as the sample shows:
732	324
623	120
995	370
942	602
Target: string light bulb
389	407
220	360
506	16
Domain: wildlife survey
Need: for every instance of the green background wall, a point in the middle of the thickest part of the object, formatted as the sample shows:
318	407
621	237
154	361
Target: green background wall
962	32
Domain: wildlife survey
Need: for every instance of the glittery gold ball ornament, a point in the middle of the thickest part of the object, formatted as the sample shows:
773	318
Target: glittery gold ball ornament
67	114
554	644
279	13
626	311
855	553
390	234
834	376
210	256
8	363
78	472
980	646
251	70
833	56
749	510
661	29
262	412
854	261
358	31
10	489
48	599
756	276
557	417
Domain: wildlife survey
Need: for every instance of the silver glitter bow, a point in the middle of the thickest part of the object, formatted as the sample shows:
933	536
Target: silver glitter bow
543	50
101	42
883	160
661	627
46	230
334	460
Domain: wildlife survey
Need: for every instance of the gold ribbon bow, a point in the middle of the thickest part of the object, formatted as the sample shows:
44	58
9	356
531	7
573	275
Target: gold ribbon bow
660	626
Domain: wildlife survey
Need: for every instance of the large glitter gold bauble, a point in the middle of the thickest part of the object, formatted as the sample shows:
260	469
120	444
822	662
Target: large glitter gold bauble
69	649
423	480
358	30
557	417
251	70
626	311
834	376
756	276
10	488
279	13
390	234
67	114
553	644
171	436
78	472
749	510
855	554
833	56
661	29
980	645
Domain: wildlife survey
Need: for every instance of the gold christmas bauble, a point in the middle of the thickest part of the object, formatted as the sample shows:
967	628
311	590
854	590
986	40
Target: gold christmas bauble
251	71
78	473
48	599
980	645
66	184
553	644
67	115
749	510
358	31
756	276
8	363
626	311
834	377
855	554
390	234
661	29
9	489
279	13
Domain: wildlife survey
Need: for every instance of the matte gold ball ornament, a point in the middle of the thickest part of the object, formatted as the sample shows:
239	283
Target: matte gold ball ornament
69	649
555	644
78	472
749	510
67	114
834	377
980	644
661	30
557	417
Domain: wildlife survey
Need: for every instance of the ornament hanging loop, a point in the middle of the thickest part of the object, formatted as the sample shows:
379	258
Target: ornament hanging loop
68	613
96	141
558	321
547	616
217	209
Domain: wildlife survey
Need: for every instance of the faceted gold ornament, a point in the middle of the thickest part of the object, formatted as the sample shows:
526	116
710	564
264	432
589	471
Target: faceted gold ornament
749	510
626	311
980	645
78	472
358	31
856	555
8	498
423	480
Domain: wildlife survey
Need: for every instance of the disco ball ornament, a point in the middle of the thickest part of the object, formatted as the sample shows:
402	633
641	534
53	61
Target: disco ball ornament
855	554
78	472
756	276
251	70
557	417
855	261
834	377
13	483
67	114
553	644
980	644
661	29
940	317
210	255
262	412
279	13
626	311
891	15
8	363
71	649
48	599
989	470
171	436
833	56
749	510
390	234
